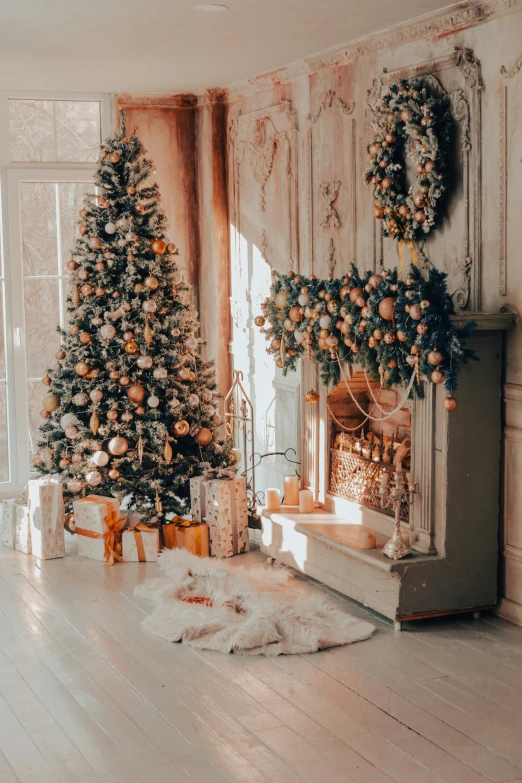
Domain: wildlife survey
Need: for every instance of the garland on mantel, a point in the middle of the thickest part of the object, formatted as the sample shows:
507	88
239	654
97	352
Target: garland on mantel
389	326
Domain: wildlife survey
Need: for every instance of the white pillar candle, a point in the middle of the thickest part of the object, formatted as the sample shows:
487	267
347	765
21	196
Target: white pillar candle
306	501
291	491
273	500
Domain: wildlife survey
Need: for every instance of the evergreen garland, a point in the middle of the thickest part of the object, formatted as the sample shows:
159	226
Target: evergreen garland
386	325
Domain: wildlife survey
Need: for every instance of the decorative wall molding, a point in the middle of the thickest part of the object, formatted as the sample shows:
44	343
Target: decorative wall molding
435	25
330	103
182	101
507	73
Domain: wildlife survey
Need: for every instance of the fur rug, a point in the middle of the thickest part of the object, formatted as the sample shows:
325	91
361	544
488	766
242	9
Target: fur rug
212	605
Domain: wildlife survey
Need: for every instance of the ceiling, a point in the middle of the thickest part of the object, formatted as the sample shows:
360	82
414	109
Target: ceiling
167	46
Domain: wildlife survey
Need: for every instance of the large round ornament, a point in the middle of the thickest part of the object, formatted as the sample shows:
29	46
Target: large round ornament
183	374
355	293
136	392
449	403
131	347
96	395
81	369
181	428
435	358
151	282
74	485
100	458
295	314
80	399
158	247
93	477
153	401
415	312
144	362
437	376
203	436
95	243
281	299
118	446
51	402
387	308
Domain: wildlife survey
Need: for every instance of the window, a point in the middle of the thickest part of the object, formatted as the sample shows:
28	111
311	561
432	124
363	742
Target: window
49	147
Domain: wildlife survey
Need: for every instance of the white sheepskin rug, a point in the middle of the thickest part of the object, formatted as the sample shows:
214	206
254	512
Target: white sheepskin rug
212	605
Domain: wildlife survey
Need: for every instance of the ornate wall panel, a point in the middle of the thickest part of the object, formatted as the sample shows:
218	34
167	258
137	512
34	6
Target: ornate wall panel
510	146
332	185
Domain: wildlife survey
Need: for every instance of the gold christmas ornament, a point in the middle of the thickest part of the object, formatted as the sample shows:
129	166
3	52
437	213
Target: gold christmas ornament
151	282
131	347
94	423
449	403
118	446
81	369
435	358
311	396
75	296
114	157
148	334
259	320
181	428
158	247
140	449
203	436
46	380
136	392
167	451
114	474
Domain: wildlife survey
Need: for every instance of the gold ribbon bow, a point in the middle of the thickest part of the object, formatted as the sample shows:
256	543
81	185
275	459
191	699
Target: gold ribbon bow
402	244
112	537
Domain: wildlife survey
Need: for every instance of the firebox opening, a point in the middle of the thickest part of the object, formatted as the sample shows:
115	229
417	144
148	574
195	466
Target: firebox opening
363	452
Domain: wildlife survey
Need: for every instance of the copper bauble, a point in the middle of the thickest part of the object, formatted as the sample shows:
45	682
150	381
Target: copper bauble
112	415
118	446
414	350
151	282
81	369
437	376
95	243
127	416
183	374
99	291
414	312
403	338
275	344
114	474
136	392
76	458
114	375
130	190
128	336
114	157
420	216
389	338
72	265
406	115
140	410
124	380
45	414
64	463
387	308
131	347
295	314
424	304
171	247
259	320
181	428
85	338
96	395
387	183
203	436
60	354
74	329
449	403
280	299
392	363
83	229
92	374
422	329
86	289
158	247
360	301
46	380
375	280
435	358
355	293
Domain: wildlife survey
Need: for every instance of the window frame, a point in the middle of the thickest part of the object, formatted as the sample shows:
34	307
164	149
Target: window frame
11	174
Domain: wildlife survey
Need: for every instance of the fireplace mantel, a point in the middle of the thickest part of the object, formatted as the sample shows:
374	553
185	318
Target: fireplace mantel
453	526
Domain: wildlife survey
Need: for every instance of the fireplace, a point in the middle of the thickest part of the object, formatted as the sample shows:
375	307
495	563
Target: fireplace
370	433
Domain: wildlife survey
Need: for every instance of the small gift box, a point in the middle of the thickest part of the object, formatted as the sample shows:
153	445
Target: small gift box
227	515
186	534
98	527
22	528
8	534
141	543
46	517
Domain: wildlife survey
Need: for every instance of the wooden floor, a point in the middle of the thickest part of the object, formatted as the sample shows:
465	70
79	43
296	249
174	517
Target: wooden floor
86	695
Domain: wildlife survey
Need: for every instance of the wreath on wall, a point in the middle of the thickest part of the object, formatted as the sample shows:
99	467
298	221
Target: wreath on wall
399	331
413	116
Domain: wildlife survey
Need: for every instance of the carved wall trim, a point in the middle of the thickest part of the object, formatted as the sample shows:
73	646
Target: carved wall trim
507	73
330	102
182	101
440	23
465	103
284	139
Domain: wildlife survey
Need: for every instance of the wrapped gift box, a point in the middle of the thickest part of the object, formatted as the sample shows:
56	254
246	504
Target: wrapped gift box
193	537
8	535
227	516
198	507
46	517
16	528
98	523
141	544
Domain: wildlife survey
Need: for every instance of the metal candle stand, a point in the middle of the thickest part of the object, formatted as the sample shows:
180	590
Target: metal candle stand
403	488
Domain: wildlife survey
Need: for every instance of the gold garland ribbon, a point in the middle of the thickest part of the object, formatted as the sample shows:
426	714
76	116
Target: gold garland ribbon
402	244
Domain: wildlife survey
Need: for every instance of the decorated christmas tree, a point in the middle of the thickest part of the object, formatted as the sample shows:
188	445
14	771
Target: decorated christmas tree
131	409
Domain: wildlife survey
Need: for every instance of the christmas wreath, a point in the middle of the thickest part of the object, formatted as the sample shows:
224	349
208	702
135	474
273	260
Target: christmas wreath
390	327
412	115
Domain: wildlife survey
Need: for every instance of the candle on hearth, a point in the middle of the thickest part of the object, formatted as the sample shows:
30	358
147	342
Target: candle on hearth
273	500
306	501
291	491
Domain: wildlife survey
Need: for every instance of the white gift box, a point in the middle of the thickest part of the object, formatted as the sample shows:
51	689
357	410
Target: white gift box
92	515
22	528
227	516
46	517
8	536
141	545
198	508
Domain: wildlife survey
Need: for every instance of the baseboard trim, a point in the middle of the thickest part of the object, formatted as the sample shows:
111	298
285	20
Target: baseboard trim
509	610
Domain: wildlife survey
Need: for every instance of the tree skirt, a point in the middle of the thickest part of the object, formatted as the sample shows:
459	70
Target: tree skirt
210	605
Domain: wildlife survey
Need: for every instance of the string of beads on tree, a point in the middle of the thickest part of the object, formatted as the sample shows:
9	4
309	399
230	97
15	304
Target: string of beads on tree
131	407
389	326
410	119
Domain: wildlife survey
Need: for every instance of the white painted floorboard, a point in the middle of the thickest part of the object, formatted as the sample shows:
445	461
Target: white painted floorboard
87	696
